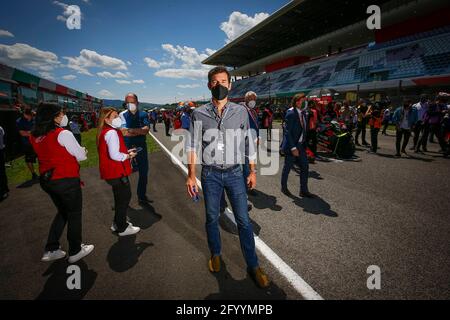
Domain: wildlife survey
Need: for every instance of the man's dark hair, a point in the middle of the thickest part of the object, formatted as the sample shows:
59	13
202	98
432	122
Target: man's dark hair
218	70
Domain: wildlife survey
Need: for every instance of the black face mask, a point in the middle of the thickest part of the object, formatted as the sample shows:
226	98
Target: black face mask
219	92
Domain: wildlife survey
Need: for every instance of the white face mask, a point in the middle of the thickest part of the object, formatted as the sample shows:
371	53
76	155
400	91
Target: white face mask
132	107
251	104
64	122
116	123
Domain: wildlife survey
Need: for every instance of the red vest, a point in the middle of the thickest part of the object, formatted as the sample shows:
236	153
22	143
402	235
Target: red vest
109	168
52	155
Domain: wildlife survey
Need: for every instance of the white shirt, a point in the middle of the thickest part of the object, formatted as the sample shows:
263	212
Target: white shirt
68	141
2	142
404	122
112	141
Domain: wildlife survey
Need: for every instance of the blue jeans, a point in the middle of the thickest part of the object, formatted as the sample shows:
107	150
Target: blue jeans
214	182
302	162
140	163
245	173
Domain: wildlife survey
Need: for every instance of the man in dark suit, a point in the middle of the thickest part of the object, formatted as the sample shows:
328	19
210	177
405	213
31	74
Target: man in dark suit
294	145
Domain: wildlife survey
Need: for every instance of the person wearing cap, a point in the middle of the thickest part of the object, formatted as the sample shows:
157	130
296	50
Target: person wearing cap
58	153
135	128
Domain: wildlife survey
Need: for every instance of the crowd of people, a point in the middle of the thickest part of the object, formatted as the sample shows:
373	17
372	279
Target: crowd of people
424	120
53	140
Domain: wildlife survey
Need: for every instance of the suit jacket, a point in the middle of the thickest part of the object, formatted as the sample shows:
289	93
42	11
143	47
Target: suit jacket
293	130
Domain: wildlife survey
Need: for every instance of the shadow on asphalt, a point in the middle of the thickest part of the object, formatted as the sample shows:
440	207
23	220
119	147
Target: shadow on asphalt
125	253
56	286
27	184
145	217
314	205
261	200
408	157
231	289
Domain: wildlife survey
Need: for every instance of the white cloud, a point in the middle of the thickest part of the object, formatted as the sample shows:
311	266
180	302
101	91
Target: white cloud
139	81
182	73
6	33
98	83
105	93
188	86
46	75
129	63
123	81
151	63
187	62
22	55
109	75
238	23
69	77
88	59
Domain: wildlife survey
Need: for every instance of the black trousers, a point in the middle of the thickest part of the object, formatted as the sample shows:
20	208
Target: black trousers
361	129
67	197
434	129
418	129
374	138
312	140
402	134
385	126
122	196
3	178
167	125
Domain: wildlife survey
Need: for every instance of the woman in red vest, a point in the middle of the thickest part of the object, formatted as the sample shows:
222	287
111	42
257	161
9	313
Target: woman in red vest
58	153
115	167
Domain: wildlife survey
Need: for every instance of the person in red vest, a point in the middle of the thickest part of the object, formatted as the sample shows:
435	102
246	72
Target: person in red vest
115	167
58	153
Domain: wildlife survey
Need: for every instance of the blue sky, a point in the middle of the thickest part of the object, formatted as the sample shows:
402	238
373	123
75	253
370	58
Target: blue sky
153	48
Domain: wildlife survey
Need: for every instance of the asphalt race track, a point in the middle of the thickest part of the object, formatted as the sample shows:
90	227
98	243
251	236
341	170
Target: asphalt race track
392	213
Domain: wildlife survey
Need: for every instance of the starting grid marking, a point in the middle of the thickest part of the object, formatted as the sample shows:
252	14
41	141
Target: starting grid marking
293	278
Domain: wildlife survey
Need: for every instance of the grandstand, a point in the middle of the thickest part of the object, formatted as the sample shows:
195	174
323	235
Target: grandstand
20	88
302	47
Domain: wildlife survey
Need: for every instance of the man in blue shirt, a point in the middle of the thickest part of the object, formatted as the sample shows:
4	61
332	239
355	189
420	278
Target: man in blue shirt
135	127
24	126
154	119
186	118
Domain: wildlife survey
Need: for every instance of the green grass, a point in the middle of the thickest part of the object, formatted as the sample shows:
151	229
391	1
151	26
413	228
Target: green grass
19	173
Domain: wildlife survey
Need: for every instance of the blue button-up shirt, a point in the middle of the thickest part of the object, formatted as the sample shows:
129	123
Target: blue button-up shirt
134	121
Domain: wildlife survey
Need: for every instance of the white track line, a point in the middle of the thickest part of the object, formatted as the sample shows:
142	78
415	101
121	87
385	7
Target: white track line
297	282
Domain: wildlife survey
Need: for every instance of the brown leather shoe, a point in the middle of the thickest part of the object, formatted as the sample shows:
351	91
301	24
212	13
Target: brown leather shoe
214	264
260	277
